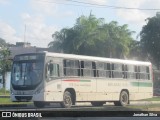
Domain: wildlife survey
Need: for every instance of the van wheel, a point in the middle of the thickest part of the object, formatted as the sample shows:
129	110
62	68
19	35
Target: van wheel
67	100
97	103
123	100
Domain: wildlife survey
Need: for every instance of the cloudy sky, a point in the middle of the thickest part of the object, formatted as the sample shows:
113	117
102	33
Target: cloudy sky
43	17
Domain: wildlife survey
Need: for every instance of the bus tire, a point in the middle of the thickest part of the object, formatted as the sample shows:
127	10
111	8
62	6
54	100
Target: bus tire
97	103
39	104
123	99
67	100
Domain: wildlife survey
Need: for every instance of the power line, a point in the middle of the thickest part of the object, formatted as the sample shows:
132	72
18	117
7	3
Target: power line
64	3
84	4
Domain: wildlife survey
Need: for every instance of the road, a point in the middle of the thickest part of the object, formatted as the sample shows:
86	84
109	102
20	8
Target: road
84	107
83	110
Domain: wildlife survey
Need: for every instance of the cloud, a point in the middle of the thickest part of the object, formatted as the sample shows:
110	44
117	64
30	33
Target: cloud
9	33
47	8
132	16
4	2
101	2
50	8
37	32
137	16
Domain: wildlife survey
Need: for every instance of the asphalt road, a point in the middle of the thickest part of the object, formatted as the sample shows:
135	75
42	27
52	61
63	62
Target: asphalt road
81	107
85	110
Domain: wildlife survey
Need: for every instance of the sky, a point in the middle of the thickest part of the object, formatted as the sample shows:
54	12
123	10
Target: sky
35	21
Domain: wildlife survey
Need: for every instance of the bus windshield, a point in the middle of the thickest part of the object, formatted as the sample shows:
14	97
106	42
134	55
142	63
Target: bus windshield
28	73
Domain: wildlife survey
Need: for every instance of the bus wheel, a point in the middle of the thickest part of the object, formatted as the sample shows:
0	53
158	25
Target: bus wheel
123	100
97	103
67	100
39	104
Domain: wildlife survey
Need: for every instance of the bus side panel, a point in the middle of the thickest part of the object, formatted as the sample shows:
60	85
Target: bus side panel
104	91
145	89
133	89
88	86
82	86
53	91
109	90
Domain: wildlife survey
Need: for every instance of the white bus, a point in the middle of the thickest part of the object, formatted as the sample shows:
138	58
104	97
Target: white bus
66	79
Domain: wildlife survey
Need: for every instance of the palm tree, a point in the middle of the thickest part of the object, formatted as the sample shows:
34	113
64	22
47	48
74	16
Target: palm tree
91	36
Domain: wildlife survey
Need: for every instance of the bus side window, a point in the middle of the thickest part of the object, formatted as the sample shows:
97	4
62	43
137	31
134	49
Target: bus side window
71	67
87	70
107	68
147	73
64	67
53	70
117	72
137	70
94	69
112	69
78	68
144	73
102	70
82	67
131	72
147	69
124	71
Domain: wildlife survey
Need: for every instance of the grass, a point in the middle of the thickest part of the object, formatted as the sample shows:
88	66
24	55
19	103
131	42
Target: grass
151	99
147	107
8	101
4	92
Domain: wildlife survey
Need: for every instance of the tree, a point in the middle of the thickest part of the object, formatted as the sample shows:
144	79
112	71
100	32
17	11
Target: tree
88	35
5	63
116	40
136	51
92	36
150	39
58	44
79	38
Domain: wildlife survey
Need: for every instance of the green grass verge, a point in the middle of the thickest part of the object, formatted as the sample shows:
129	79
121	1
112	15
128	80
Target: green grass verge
145	107
8	101
4	92
151	99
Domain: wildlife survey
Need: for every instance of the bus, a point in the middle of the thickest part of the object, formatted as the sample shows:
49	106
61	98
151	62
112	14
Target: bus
47	77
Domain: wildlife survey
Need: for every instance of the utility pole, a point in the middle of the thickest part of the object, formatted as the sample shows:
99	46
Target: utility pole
24	34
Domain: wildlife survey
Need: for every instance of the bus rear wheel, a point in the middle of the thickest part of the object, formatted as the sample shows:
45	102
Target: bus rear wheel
97	103
67	100
39	104
123	99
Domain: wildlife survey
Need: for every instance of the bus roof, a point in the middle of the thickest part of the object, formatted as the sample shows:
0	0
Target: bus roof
91	58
